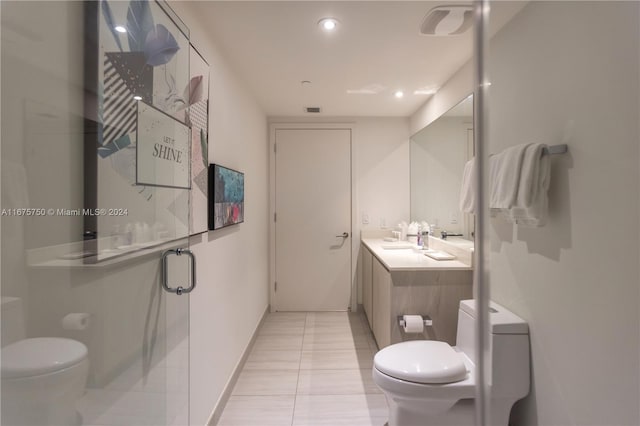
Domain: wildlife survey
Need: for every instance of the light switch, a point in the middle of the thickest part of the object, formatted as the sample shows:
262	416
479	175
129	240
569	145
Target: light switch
365	219
453	218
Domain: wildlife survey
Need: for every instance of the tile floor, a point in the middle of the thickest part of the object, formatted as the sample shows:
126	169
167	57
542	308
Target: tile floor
308	369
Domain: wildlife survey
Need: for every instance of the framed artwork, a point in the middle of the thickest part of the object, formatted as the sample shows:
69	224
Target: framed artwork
163	149
137	116
226	197
198	120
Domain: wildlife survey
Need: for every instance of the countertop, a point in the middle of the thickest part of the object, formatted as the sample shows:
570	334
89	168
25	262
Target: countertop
409	259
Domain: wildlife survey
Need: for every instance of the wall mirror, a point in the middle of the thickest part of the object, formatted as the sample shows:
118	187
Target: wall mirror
438	156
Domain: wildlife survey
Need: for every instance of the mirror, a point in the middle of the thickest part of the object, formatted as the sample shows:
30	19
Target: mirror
439	153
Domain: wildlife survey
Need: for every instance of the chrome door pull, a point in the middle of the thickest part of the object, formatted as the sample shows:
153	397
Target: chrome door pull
344	235
165	275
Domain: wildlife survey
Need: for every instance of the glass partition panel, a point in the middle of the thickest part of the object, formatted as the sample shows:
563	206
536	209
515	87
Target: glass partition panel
88	334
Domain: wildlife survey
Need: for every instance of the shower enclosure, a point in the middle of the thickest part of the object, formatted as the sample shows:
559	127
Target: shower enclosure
86	217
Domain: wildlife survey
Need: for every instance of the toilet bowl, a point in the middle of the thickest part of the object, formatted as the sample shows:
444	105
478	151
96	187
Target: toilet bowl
42	378
432	383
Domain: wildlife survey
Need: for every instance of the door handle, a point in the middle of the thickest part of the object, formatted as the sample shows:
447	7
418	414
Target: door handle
165	271
344	235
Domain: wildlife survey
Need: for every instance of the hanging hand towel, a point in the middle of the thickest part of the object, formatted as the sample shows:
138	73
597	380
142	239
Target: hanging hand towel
531	204
504	178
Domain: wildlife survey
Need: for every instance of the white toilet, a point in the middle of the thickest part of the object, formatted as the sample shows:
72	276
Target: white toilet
42	377
427	382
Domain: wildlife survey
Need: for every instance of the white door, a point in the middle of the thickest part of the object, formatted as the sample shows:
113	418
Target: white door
313	219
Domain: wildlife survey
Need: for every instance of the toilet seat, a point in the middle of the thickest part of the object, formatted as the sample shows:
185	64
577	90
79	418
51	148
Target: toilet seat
422	361
41	355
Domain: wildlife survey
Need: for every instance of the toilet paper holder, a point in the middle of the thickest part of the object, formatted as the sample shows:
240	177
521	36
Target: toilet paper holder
428	322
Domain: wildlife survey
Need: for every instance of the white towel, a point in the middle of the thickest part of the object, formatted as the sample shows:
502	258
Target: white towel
468	190
519	182
531	204
504	177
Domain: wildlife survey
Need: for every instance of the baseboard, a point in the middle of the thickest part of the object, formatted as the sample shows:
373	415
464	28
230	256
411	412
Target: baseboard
228	389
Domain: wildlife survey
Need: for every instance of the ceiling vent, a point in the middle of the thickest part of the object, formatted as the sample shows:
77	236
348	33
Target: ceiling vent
313	110
447	20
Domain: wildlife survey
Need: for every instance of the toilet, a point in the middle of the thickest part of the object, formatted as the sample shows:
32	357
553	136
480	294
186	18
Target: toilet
427	382
43	377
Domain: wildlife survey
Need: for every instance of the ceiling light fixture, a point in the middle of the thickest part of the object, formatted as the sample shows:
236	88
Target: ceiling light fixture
398	94
328	24
137	98
120	29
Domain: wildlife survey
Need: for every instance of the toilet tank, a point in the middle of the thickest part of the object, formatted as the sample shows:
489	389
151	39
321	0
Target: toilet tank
12	320
509	347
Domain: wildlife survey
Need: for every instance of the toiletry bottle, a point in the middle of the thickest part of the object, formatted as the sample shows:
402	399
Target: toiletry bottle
420	241
434	230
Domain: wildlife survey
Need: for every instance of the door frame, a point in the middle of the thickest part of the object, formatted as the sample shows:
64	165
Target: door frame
355	241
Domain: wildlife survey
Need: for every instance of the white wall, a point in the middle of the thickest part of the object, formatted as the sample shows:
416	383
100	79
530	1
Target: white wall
232	263
382	170
568	72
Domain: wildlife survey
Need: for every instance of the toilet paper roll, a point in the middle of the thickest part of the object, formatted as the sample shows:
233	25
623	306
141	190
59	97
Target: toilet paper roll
413	323
76	321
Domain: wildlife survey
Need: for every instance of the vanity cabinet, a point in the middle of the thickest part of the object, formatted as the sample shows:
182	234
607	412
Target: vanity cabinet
367	284
404	282
381	304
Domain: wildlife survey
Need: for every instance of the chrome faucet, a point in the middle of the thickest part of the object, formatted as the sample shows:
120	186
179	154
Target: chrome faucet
446	234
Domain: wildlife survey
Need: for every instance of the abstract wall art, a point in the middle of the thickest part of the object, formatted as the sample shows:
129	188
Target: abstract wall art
226	197
137	109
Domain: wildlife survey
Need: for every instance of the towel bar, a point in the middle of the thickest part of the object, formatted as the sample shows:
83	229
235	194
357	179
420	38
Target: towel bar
555	149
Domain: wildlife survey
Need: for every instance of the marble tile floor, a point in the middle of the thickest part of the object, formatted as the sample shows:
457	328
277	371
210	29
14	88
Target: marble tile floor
308	369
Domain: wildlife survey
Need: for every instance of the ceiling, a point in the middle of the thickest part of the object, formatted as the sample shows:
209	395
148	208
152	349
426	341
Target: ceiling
274	46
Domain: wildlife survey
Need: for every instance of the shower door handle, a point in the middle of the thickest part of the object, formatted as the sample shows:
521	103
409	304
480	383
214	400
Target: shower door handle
165	271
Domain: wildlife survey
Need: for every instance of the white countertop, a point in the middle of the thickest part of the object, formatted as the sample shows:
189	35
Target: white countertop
409	259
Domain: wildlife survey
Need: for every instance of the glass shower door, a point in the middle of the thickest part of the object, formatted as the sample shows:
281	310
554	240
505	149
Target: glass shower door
89	336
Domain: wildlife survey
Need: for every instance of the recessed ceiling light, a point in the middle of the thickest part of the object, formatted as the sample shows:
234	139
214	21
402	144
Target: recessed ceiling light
120	29
398	94
328	24
137	98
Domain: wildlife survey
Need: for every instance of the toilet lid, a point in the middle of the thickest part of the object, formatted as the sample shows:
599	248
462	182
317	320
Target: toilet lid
41	355
421	361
